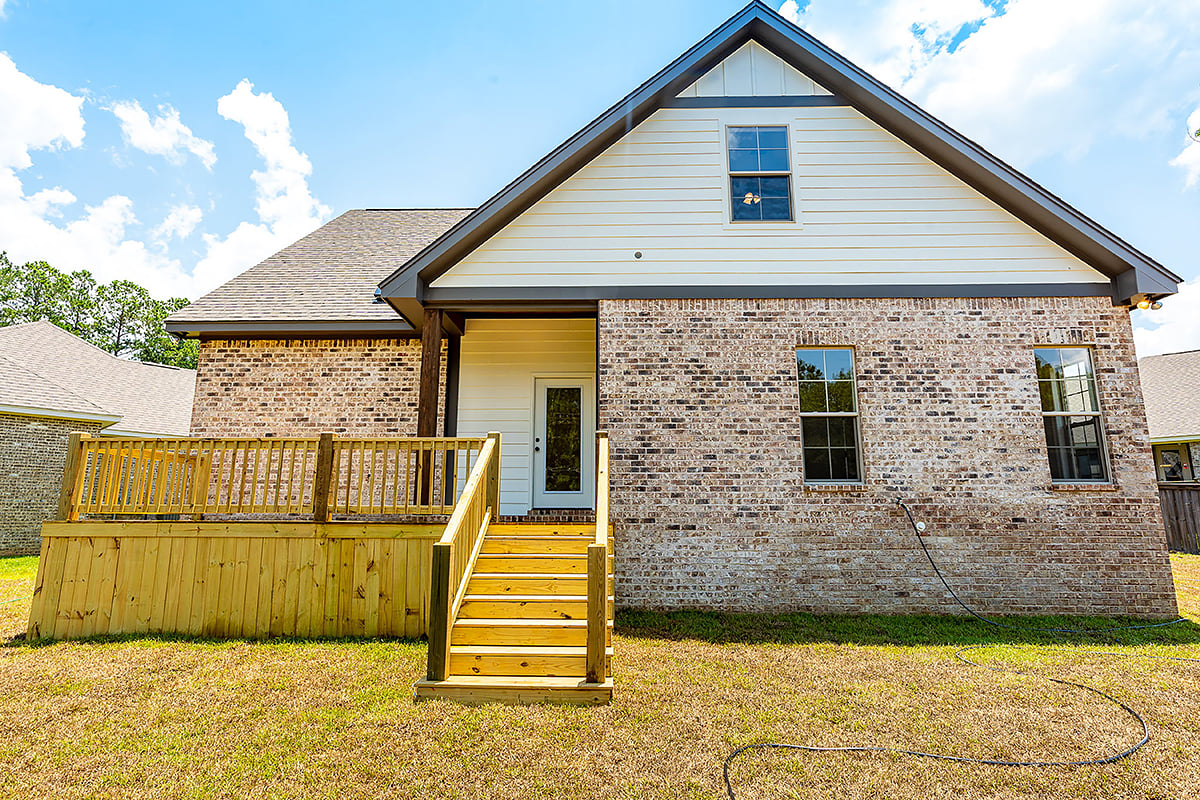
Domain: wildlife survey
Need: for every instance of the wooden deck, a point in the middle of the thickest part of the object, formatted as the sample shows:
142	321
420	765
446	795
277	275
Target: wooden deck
237	538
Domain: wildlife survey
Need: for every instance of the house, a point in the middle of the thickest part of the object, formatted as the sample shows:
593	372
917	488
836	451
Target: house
53	383
1169	384
790	297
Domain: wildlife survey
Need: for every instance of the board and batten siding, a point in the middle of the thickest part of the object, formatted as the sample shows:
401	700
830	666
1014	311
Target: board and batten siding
870	210
499	360
753	71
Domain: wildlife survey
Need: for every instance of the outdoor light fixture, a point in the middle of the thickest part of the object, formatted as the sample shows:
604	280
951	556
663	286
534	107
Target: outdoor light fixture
1147	305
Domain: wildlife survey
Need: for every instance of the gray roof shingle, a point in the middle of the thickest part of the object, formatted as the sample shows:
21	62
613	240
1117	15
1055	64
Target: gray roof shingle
1172	401
54	369
329	275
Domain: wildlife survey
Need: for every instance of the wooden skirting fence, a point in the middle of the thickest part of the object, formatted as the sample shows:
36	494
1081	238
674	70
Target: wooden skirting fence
1181	514
233	579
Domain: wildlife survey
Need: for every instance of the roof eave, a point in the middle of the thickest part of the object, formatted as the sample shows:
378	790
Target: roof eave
290	328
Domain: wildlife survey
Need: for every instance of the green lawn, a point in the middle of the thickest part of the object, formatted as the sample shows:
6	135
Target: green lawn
156	718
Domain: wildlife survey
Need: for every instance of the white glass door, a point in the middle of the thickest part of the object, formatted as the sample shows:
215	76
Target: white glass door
564	443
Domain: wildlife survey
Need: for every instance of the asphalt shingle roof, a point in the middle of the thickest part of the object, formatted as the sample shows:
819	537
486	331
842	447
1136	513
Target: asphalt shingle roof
1169	386
45	367
329	275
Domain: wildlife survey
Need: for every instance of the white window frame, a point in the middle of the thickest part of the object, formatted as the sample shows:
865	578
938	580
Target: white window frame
770	224
856	414
1105	460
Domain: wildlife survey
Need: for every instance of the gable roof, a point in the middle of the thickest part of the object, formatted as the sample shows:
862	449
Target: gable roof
45	368
1133	274
323	282
1169	387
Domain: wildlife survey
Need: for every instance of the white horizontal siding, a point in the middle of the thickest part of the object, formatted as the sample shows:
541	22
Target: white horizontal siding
498	362
752	71
871	210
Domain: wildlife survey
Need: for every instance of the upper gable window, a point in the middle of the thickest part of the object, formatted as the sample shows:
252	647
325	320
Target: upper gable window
760	180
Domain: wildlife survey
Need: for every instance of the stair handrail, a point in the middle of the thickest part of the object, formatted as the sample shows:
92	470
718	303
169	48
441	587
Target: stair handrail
455	553
597	572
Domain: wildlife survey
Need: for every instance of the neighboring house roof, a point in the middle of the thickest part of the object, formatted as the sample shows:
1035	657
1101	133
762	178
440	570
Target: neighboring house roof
22	390
326	281
1169	386
1133	274
45	368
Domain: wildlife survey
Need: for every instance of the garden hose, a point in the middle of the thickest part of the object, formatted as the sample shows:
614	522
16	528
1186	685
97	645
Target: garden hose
1117	756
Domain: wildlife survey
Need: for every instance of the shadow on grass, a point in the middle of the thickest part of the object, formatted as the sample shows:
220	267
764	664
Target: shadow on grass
918	630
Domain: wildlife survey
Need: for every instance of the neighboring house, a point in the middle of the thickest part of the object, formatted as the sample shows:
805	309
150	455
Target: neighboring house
53	383
1169	386
792	298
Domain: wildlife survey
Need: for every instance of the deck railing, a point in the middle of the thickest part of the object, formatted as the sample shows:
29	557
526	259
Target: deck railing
598	609
319	476
455	553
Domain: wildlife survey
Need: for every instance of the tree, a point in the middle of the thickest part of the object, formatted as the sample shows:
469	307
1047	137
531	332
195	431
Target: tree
120	317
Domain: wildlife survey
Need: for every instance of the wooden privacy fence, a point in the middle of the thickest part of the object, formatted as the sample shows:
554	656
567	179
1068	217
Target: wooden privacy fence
455	552
232	579
315	476
1181	515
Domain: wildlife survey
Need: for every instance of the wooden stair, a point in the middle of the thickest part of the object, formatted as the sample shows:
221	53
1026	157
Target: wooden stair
520	635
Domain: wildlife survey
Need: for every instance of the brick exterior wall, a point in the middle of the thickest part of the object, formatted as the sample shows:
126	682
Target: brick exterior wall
701	402
301	387
32	450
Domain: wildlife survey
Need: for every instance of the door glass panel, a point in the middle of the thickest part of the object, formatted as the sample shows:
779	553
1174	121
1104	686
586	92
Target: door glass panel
564	436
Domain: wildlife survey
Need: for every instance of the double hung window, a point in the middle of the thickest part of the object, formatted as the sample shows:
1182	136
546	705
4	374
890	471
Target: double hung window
760	181
828	415
1071	414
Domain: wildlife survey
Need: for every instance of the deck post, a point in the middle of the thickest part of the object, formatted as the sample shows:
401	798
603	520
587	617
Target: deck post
493	478
323	479
439	612
71	468
597	612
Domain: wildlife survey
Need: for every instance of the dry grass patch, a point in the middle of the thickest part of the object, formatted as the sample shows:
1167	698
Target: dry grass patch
150	717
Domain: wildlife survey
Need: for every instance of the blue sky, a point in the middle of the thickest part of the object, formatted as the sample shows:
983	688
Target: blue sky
178	143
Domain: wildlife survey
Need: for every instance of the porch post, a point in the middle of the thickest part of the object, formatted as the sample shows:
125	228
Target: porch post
427	399
431	369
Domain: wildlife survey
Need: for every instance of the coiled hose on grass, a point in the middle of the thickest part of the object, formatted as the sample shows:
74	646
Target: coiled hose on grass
1125	753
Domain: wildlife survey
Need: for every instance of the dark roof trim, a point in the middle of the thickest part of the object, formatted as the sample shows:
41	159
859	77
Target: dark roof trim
579	296
786	101
262	329
1139	275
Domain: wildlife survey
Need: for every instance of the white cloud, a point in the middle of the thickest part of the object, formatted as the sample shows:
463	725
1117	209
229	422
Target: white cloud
1189	158
179	223
106	237
285	205
38	116
898	37
1174	327
165	135
1038	79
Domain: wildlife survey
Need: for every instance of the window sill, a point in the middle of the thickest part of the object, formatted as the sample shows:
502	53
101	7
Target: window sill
835	487
1084	487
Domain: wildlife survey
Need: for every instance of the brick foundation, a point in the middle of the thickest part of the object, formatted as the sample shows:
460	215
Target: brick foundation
301	387
700	401
32	451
